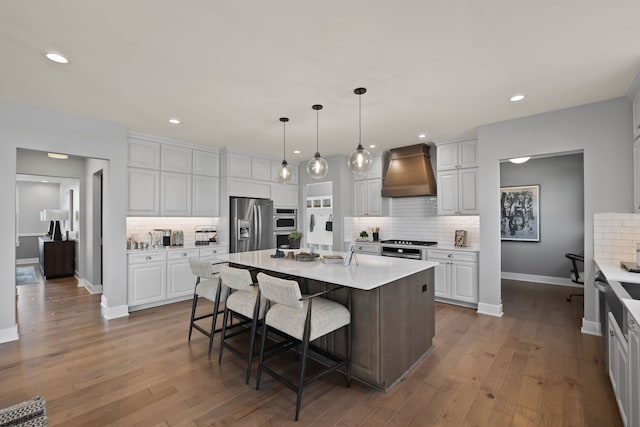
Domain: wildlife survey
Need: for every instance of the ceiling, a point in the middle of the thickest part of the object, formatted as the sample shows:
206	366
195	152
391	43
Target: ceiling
229	69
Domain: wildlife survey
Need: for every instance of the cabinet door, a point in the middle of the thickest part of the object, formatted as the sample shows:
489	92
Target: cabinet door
260	169
206	163
618	352
143	154
180	279
374	197
447	192
442	279
464	281
206	196
144	192
175	159
239	165
285	195
147	283
633	412
359	198
376	168
175	199
447	157
468	154
467	191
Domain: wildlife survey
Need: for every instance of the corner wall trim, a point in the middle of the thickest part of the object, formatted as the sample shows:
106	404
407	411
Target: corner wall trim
549	280
9	334
490	309
27	261
591	328
115	312
93	289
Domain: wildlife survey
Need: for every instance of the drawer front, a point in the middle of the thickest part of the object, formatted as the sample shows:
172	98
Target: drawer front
147	257
182	254
367	249
208	252
434	254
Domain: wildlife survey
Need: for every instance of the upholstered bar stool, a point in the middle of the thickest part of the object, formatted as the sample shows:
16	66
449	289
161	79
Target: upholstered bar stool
245	301
302	318
208	286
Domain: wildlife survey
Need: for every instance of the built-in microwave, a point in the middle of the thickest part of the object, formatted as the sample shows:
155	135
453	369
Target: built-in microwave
285	219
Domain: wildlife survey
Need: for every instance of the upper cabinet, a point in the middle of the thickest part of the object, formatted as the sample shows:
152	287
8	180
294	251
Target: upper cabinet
457	177
169	179
260	169
239	165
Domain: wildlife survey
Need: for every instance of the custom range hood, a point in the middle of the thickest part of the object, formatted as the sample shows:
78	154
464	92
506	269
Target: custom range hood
407	172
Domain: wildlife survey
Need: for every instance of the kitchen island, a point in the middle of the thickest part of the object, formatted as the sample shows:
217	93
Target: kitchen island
392	312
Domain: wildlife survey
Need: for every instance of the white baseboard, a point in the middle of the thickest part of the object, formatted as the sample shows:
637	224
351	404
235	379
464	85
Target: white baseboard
548	280
490	309
93	289
27	261
9	334
591	328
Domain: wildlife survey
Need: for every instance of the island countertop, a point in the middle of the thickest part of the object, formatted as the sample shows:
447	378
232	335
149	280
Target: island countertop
370	272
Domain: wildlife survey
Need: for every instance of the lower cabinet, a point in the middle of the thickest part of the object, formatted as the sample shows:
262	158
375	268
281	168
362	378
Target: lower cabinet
633	412
618	367
163	277
456	276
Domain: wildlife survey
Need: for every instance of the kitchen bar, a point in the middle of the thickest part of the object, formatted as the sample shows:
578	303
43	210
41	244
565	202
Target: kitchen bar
393	318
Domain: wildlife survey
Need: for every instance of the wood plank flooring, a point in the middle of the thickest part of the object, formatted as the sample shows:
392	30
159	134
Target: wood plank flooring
531	367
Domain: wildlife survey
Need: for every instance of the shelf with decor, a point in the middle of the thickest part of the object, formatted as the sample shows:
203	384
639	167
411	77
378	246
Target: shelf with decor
320	202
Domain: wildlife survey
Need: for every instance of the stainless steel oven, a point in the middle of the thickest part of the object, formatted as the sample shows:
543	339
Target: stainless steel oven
410	249
285	219
280	239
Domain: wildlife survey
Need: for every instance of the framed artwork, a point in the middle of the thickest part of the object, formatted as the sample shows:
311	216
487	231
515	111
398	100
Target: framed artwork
520	213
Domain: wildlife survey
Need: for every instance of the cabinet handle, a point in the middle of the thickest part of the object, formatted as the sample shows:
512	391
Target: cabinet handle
184	254
147	258
632	325
215	252
612	333
450	256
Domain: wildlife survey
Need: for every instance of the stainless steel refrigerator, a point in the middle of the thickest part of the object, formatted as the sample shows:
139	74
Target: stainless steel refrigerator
251	224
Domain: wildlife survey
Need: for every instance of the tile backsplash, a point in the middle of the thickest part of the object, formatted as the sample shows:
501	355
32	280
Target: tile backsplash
615	236
139	227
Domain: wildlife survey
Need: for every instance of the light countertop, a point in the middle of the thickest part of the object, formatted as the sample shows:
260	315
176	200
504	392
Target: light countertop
174	248
371	272
615	274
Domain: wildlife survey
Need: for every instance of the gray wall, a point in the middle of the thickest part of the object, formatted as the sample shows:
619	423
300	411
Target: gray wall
603	131
34	197
561	215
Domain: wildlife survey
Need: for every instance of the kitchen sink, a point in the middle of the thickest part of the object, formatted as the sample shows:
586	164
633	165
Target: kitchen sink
632	288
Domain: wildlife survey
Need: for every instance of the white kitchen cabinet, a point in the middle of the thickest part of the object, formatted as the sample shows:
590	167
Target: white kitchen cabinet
284	195
456	275
618	366
175	197
180	280
206	163
144	192
143	153
260	169
633	412
367	198
457	192
211	253
457	154
205	200
174	158
146	278
239	165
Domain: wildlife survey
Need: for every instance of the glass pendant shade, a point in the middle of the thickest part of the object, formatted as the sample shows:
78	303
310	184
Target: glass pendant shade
359	161
284	174
317	167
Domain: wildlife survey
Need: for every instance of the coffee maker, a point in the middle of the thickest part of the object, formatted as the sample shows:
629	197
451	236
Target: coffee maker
165	234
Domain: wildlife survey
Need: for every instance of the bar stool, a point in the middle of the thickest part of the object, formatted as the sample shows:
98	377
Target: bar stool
208	286
302	319
246	302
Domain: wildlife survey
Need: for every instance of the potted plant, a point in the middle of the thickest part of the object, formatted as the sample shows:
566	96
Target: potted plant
294	239
364	235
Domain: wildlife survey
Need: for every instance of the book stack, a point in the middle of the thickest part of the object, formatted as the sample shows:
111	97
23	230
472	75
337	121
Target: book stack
332	259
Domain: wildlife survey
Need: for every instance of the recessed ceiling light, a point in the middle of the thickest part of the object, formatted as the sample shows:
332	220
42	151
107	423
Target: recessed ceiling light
516	98
44	181
422	136
56	57
518	160
372	146
174	121
296	151
58	156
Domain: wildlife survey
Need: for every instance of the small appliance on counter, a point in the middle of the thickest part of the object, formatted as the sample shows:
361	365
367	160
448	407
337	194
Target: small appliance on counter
206	234
166	235
177	238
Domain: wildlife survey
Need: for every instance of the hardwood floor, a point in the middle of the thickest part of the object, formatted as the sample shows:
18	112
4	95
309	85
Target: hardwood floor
530	367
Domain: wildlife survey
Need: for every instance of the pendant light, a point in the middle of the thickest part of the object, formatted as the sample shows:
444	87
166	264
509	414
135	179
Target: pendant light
359	161
285	171
317	167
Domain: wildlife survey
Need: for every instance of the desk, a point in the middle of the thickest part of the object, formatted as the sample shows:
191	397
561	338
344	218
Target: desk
392	315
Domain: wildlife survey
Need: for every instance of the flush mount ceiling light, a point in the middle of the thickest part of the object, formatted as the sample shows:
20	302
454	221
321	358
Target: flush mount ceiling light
58	156
422	136
284	175
56	57
516	98
317	167
296	151
359	160
372	146
174	121
519	160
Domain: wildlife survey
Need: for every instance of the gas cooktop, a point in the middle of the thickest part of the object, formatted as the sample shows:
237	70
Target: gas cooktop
408	242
